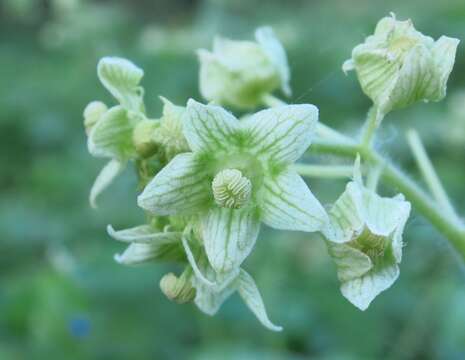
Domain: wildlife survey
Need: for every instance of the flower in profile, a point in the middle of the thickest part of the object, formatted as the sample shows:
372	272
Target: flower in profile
365	240
238	175
241	73
110	131
398	66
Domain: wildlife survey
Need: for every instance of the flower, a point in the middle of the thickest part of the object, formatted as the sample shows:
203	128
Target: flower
240	73
365	240
398	66
110	131
238	175
213	289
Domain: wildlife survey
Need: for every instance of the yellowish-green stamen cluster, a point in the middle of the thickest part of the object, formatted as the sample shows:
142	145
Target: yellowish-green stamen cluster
231	189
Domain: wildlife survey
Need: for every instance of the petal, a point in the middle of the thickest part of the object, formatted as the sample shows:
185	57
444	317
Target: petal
283	133
288	204
110	171
121	78
351	263
111	136
208	127
362	290
383	215
143	234
376	72
212	289
181	187
208	299
249	293
165	247
444	51
229	236
274	49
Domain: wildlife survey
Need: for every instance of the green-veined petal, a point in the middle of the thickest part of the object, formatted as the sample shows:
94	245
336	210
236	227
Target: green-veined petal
362	290
143	234
287	203
229	236
249	293
167	248
283	133
111	136
121	78
208	127
181	187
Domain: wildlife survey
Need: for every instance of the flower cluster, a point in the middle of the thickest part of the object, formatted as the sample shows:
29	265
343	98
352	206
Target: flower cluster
209	180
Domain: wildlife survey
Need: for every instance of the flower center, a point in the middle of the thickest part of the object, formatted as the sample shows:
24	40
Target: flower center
231	189
371	244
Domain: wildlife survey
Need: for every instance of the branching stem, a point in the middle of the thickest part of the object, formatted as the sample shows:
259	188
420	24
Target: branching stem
448	224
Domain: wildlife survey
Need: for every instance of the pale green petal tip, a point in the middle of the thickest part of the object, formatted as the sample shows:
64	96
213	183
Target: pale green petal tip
398	66
104	179
251	295
121	78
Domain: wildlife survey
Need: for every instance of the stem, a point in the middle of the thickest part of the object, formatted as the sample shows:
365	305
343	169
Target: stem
428	172
324	171
371	124
448	226
374	174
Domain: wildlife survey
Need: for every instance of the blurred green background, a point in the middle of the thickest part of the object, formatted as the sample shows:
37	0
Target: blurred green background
61	293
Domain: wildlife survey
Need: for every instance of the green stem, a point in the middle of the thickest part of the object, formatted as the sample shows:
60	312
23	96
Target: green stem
370	127
428	172
324	171
449	226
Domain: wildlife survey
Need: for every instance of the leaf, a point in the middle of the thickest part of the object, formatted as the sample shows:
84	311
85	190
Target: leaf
121	78
181	187
287	203
281	134
109	172
229	236
208	127
250	294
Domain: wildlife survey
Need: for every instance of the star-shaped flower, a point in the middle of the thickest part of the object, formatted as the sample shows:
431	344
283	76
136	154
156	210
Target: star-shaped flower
238	175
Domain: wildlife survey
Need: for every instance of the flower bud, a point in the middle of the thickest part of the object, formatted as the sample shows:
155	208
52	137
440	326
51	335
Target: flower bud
169	135
177	289
144	137
240	73
365	240
231	189
398	66
92	113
